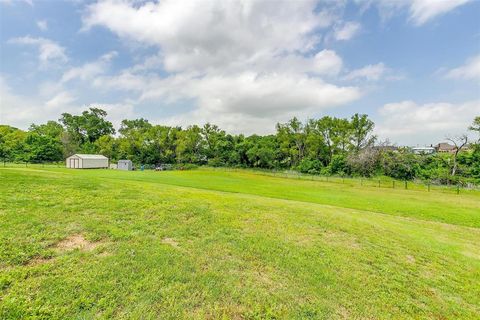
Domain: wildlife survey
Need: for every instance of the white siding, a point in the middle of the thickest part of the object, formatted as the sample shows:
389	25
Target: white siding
86	162
94	163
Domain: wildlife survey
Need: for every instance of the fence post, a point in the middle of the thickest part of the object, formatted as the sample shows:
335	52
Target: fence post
458	188
428	184
361	182
393	184
406	186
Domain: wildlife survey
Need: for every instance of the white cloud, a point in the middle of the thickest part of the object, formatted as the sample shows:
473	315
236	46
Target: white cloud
241	64
201	35
240	102
327	62
347	30
42	25
20	111
89	70
48	50
116	111
60	100
416	124
470	70
371	72
420	11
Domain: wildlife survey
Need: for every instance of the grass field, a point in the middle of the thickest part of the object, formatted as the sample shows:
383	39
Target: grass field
202	244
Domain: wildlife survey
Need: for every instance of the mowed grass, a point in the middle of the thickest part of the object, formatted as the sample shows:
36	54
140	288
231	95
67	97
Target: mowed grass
83	244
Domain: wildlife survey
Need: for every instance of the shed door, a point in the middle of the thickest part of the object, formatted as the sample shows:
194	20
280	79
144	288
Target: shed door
74	163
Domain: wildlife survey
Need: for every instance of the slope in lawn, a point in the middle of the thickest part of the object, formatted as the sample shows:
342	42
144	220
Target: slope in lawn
450	208
76	244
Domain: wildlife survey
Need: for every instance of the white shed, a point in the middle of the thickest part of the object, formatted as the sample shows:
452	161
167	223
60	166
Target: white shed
125	165
87	161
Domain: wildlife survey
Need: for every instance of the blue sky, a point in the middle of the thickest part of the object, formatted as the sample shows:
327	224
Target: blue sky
412	65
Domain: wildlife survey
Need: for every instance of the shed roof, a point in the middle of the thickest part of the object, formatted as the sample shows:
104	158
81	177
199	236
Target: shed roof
89	156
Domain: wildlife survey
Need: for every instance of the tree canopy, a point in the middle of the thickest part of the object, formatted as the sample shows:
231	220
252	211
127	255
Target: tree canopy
327	145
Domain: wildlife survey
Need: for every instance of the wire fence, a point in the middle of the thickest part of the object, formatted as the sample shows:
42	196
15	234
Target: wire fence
373	182
367	182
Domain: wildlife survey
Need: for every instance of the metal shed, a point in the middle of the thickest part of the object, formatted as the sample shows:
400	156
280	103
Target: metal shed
87	161
124	165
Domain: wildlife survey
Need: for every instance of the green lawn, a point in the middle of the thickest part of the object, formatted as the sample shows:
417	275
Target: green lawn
82	244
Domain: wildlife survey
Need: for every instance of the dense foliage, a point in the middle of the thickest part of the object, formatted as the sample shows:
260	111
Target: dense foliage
327	145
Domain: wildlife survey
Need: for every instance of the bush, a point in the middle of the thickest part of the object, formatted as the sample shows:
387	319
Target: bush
185	166
310	166
339	165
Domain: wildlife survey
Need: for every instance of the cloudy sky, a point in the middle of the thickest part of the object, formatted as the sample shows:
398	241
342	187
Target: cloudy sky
412	65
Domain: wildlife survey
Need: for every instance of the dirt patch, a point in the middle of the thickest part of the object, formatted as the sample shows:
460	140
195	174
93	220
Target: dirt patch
340	238
410	259
343	313
38	261
471	254
76	241
170	241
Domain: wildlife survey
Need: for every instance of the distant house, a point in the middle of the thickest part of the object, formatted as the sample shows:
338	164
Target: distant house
87	161
423	150
444	147
125	165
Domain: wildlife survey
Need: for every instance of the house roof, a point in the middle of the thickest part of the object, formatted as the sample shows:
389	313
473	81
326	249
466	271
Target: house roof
89	156
445	146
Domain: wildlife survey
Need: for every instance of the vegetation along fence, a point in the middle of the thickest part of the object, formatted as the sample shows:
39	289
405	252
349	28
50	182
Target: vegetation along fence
373	182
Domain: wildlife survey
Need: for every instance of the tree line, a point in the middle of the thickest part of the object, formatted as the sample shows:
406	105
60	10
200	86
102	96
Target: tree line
328	146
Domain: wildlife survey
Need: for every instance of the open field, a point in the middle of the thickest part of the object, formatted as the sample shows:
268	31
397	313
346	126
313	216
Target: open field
211	244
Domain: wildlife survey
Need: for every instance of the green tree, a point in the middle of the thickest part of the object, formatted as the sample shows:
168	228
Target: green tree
12	143
191	146
292	138
361	134
87	127
42	148
51	129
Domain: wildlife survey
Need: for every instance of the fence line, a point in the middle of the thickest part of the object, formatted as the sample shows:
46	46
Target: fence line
359	181
383	182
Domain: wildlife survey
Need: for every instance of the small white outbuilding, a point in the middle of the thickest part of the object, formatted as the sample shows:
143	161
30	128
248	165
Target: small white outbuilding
125	165
87	161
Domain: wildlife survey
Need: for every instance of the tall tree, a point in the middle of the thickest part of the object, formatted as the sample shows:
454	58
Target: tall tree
87	127
51	129
191	145
291	136
362	129
325	127
459	142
